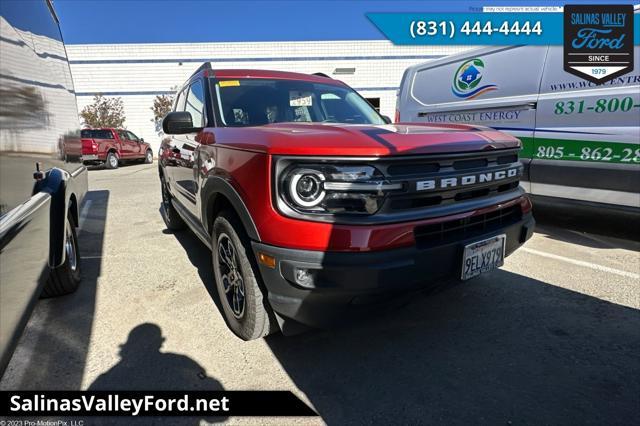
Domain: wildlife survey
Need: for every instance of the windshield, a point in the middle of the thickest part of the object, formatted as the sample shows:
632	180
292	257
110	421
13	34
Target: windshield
254	102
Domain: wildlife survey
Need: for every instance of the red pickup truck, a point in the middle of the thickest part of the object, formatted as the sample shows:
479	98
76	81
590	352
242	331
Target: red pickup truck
111	146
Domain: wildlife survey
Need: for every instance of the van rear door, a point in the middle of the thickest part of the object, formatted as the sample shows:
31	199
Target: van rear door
495	87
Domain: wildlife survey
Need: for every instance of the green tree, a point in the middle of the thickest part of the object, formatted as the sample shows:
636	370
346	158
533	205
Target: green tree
161	106
104	112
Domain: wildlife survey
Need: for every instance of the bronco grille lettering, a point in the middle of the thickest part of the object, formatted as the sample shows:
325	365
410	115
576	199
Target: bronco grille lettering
452	182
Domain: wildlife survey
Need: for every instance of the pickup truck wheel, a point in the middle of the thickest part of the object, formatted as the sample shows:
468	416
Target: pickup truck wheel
148	157
171	217
112	161
65	278
244	304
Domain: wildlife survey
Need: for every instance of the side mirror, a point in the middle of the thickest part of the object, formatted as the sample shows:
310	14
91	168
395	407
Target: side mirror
178	123
141	139
386	119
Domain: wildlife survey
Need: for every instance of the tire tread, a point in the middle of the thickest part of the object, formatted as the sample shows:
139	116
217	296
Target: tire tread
262	321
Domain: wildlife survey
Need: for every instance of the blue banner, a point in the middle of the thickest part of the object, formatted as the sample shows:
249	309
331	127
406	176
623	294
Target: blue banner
475	28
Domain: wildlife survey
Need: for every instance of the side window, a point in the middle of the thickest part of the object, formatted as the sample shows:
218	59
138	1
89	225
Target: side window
195	103
122	135
132	136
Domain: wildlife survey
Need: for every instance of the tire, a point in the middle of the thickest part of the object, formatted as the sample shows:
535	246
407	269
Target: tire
65	279
111	161
148	157
244	304
171	217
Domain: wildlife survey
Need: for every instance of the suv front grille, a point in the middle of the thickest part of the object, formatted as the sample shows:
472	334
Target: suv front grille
469	171
455	230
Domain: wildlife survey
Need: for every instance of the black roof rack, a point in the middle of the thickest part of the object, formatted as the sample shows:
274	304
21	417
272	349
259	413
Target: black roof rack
321	74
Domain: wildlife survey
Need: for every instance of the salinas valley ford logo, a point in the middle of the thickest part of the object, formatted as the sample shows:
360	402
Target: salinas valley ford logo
598	41
466	81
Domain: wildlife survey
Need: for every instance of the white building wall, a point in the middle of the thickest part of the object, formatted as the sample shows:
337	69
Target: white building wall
139	72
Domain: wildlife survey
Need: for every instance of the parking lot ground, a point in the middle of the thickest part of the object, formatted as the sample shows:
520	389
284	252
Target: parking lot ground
551	338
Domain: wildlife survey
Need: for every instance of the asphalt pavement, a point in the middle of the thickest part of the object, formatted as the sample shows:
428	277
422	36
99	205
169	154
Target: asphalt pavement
553	337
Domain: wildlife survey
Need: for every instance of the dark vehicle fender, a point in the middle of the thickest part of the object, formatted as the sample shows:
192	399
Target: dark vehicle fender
212	188
67	191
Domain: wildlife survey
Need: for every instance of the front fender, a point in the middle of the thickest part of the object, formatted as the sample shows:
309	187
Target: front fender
61	185
214	185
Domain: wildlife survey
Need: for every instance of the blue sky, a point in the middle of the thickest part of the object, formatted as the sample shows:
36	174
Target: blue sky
165	21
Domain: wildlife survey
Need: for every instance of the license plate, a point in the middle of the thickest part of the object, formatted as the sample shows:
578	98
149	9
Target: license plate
89	157
483	256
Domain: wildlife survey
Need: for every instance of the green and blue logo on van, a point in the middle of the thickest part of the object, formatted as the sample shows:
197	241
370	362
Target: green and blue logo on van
466	81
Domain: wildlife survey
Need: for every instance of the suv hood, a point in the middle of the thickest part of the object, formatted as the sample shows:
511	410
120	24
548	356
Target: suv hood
315	139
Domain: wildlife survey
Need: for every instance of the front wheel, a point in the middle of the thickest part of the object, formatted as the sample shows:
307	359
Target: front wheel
244	305
148	158
65	279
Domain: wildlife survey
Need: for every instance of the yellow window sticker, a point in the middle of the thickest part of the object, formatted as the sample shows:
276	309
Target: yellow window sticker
228	83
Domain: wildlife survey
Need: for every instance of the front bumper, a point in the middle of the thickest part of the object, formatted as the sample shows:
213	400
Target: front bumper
340	284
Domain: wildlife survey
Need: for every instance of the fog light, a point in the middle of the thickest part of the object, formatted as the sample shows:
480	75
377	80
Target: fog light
304	277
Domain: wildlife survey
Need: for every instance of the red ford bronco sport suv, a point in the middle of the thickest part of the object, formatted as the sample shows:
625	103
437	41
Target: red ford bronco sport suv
113	146
314	206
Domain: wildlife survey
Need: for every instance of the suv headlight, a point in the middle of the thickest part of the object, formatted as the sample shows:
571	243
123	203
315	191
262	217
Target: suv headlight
334	189
306	187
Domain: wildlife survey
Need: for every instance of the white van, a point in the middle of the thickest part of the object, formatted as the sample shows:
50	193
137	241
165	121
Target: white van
581	141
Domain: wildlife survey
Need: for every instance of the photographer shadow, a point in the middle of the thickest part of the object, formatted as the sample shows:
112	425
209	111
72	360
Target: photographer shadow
143	366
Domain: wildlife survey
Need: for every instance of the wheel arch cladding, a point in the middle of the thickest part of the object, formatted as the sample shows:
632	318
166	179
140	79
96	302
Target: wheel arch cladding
55	184
218	194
